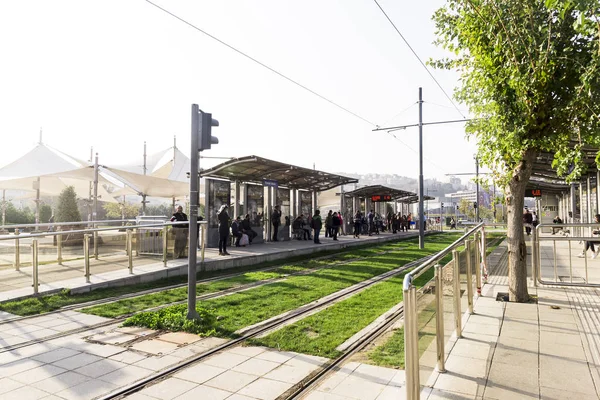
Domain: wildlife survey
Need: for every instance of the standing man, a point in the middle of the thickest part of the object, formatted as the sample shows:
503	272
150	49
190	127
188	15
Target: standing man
223	230
371	220
181	233
276	221
317	224
527	221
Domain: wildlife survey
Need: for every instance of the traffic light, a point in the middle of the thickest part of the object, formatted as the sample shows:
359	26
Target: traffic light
457	206
474	204
206	124
442	205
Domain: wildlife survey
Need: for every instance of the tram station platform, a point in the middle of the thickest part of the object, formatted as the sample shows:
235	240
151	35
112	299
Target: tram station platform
112	269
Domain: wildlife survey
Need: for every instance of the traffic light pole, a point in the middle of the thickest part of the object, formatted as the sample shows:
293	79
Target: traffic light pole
193	226
421	213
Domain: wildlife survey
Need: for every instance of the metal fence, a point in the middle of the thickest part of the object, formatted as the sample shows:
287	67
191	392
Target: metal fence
433	310
564	251
73	242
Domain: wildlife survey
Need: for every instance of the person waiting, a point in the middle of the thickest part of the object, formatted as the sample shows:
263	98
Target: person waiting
181	233
276	221
297	229
452	223
357	224
317	224
335	225
305	226
557	220
589	244
247	228
236	230
223	230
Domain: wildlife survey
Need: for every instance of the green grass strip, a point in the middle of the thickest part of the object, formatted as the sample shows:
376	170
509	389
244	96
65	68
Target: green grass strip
53	302
252	306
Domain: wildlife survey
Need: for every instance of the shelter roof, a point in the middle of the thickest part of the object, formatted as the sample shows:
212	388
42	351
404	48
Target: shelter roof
254	169
170	164
41	160
372	190
147	184
542	166
547	187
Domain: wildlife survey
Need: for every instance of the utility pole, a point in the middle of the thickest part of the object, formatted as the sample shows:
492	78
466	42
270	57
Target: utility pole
144	194
420	125
477	191
421	214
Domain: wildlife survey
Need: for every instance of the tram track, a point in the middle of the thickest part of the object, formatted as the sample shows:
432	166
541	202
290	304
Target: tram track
271	325
206	296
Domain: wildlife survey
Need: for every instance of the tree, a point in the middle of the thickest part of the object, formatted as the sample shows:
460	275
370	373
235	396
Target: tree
45	213
114	210
67	210
530	76
16	216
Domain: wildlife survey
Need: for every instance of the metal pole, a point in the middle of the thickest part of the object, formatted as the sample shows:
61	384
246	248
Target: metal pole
598	192
534	249
129	250
477	254
203	246
165	233
34	257
37	203
3	207
17	251
194	199
144	195
59	249
469	276
441	216
421	215
439	318
477	185
96	206
457	294
411	342
86	257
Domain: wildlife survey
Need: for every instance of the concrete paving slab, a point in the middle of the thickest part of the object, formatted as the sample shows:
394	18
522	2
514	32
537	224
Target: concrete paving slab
200	373
61	382
265	389
24	393
155	347
9	385
168	389
87	390
55	355
204	392
226	360
157	363
256	367
356	387
126	376
100	368
37	374
231	381
179	338
77	361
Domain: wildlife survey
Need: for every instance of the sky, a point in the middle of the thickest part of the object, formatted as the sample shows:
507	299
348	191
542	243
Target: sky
112	74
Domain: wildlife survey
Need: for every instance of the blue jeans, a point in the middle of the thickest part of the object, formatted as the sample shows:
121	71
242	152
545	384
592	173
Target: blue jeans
316	236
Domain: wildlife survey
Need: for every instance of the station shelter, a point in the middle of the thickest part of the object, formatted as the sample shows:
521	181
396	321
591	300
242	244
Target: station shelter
378	198
254	185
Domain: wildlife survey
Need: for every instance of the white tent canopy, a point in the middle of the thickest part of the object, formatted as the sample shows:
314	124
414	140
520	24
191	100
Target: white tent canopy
169	164
41	160
147	185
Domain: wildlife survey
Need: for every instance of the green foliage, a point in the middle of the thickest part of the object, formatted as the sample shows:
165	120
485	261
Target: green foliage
19	216
45	213
174	319
67	210
530	74
114	210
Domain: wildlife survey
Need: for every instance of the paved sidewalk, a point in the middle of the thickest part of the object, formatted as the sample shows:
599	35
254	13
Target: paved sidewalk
548	350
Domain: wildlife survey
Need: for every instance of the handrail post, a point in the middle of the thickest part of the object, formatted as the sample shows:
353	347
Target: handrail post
129	250
411	344
439	318
95	245
86	256
484	255
165	232
534	259
203	244
59	249
477	258
469	276
34	258
136	231
17	251
457	288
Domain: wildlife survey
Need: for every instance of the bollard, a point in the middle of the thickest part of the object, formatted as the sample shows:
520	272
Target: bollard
34	258
129	250
165	232
457	306
86	256
439	318
469	276
17	252
477	257
411	344
96	245
59	249
202	268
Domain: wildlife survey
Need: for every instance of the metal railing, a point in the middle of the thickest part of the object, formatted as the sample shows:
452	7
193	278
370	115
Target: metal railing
462	274
54	225
566	270
129	243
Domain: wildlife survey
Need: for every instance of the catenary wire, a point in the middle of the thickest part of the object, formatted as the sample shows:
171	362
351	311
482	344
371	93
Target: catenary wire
261	64
419	58
416	152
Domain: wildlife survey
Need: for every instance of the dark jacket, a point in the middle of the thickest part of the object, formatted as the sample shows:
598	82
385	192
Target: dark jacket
297	224
276	217
223	223
236	227
246	225
317	223
335	221
179	216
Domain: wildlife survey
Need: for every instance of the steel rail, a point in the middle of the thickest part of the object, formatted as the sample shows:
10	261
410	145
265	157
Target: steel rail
134	387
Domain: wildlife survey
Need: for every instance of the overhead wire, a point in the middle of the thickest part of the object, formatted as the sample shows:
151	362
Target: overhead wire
419	58
415	151
262	64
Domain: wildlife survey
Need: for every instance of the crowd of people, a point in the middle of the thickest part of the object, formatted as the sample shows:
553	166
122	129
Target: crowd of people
303	227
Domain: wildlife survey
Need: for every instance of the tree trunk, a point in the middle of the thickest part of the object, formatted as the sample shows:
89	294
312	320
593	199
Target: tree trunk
517	251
